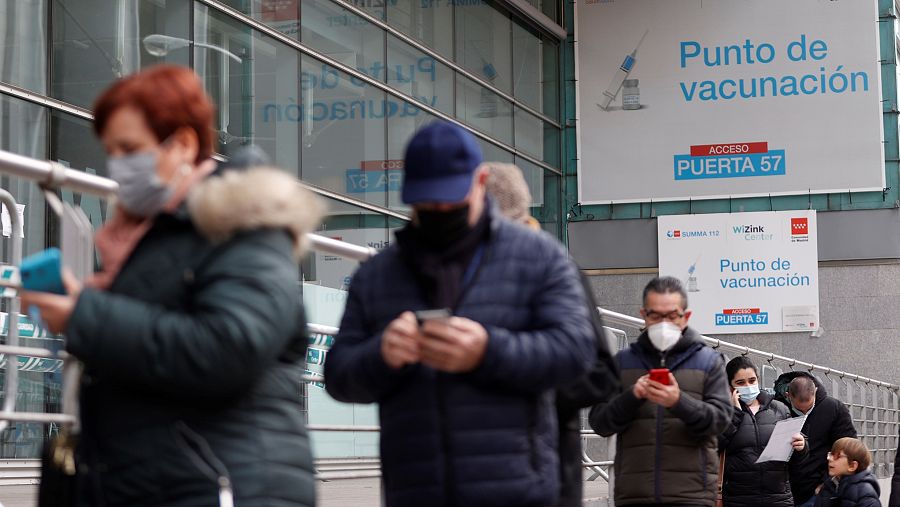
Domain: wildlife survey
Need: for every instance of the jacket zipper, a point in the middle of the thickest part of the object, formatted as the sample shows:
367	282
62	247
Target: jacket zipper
762	474
657	486
203	457
449	476
449	493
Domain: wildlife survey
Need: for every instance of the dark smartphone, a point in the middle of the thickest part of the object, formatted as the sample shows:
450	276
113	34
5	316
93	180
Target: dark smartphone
438	314
660	375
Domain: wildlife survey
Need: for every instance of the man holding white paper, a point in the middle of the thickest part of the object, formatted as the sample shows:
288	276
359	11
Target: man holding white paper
826	420
784	440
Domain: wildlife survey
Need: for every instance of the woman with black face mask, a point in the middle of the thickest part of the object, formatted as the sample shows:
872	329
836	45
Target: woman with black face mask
192	336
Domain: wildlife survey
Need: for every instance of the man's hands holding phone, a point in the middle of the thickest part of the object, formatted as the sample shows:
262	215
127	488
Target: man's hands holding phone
649	388
448	344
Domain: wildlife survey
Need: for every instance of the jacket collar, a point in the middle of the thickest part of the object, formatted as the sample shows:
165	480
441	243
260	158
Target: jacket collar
689	343
232	201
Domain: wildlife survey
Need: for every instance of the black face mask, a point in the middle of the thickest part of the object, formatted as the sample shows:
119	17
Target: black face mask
443	228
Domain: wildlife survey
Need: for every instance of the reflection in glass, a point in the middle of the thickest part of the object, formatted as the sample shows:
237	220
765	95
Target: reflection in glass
483	42
23	46
527	66
257	99
544	187
160	45
551	77
23	130
483	109
493	153
428	21
344	36
343	138
419	75
92	50
529	133
74	145
282	15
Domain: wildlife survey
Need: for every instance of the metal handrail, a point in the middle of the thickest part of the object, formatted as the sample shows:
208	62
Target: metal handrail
53	174
638	323
11	382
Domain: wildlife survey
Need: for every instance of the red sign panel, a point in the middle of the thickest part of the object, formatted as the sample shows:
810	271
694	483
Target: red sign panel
717	150
280	10
799	226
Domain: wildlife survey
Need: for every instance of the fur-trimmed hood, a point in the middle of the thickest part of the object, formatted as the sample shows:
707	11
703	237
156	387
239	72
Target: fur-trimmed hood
255	198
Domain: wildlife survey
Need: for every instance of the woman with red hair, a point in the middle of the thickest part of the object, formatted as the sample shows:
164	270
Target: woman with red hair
192	335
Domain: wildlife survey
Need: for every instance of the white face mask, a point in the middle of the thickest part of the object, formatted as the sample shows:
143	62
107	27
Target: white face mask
663	335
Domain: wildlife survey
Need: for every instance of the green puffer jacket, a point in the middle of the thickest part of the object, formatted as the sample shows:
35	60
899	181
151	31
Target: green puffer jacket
194	356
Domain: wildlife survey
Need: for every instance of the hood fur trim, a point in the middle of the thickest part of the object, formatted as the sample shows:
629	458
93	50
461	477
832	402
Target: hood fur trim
256	198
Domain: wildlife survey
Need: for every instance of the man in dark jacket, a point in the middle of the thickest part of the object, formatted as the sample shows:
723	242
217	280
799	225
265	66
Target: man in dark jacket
667	431
827	420
507	185
466	402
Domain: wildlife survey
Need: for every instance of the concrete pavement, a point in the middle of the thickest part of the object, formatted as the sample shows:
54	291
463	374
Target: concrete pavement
340	493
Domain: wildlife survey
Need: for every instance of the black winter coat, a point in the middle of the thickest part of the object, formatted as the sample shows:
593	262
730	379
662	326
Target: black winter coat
858	490
193	361
828	421
487	437
599	385
747	483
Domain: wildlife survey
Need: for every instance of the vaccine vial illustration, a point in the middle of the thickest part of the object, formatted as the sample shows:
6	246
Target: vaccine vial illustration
631	95
692	285
609	95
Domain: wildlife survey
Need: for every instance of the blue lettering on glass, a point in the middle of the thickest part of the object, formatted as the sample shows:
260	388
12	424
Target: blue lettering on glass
771	163
360	182
328	78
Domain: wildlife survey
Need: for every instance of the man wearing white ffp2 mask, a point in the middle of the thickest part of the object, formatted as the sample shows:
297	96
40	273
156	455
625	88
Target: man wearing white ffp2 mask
675	397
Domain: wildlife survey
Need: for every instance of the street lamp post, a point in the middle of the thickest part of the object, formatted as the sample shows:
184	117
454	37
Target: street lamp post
160	45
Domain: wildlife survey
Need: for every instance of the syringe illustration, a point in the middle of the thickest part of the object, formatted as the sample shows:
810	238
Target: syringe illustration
616	84
692	278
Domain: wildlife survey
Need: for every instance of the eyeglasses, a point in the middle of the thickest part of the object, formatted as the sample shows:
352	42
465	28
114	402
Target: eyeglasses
656	316
834	457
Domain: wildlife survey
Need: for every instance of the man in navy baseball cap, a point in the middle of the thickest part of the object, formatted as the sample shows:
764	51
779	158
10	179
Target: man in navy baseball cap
445	186
508	323
440	162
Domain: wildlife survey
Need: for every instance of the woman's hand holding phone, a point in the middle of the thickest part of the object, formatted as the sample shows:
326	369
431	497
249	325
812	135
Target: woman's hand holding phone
55	309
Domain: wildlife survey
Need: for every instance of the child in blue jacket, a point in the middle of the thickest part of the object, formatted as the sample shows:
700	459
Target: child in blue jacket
849	483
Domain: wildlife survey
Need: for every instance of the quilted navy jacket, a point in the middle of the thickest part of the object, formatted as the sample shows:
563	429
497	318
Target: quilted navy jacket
487	437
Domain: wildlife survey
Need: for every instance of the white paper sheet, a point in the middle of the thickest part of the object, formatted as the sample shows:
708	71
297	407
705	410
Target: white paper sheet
779	447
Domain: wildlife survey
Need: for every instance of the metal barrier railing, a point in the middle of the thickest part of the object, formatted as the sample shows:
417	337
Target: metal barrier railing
874	404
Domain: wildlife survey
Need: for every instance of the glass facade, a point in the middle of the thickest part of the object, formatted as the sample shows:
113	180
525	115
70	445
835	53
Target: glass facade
330	89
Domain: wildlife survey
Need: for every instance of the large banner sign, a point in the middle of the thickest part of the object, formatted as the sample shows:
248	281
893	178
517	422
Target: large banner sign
700	99
745	272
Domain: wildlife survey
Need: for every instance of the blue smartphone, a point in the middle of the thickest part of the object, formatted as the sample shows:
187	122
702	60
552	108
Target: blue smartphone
41	272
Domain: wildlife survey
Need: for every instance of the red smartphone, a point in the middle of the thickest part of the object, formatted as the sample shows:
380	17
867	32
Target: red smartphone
660	375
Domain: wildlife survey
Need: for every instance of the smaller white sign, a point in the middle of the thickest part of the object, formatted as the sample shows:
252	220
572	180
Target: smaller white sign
800	318
744	272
